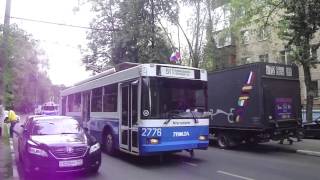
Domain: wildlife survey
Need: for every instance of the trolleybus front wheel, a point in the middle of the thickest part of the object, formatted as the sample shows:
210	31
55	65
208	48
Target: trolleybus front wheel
109	144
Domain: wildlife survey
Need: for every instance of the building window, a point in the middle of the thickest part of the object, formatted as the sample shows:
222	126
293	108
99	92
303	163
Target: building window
96	100
244	37
223	39
263	33
264	58
245	60
285	57
110	98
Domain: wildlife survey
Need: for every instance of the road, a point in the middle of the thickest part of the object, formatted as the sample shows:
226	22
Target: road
261	162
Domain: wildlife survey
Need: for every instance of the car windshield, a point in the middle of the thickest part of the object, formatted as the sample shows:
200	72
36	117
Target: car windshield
173	98
55	126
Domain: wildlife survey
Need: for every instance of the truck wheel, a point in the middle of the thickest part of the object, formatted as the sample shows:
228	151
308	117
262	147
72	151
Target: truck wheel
109	144
224	141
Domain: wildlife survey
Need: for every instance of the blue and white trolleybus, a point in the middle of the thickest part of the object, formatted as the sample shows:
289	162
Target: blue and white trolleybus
143	109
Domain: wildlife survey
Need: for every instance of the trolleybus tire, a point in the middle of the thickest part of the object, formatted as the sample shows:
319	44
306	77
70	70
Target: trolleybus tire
109	143
191	153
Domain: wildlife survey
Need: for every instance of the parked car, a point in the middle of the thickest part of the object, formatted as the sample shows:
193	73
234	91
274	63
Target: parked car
312	130
57	144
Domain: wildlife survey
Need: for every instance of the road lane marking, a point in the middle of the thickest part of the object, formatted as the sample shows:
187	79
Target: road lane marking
234	175
307	152
15	173
191	164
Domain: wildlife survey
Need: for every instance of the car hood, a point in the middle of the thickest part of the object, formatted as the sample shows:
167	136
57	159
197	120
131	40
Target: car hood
61	139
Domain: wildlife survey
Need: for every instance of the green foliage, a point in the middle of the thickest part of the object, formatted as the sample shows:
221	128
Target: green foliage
209	60
128	31
26	82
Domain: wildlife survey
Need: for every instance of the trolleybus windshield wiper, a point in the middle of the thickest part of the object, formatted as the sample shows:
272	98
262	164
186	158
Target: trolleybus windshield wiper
170	118
194	117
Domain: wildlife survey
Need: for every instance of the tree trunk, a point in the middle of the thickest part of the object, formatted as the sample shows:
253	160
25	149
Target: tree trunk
195	62
309	92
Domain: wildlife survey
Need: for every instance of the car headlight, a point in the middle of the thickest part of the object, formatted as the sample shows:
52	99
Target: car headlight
94	148
36	151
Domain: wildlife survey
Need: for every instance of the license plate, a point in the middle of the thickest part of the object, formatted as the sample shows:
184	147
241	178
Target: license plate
71	163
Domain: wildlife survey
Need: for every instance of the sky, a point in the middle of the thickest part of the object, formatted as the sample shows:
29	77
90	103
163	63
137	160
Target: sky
60	43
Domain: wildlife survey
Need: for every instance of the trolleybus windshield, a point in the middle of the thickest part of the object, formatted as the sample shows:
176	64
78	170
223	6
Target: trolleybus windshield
173	98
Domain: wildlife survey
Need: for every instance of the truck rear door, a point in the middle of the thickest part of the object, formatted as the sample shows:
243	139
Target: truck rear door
281	101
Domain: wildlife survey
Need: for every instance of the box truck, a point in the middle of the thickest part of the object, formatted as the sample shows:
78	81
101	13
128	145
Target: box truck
254	103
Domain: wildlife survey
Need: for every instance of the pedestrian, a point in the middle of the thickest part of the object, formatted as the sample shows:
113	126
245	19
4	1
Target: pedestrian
12	119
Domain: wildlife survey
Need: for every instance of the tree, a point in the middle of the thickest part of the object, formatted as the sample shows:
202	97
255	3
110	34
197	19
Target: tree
302	20
128	31
209	61
25	78
195	43
298	21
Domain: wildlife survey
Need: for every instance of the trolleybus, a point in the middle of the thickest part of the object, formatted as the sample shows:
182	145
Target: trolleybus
142	109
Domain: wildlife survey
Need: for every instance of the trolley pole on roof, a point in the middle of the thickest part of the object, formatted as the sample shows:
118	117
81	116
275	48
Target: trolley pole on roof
4	49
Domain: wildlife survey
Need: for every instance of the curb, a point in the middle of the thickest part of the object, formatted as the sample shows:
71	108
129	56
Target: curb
299	151
15	173
307	152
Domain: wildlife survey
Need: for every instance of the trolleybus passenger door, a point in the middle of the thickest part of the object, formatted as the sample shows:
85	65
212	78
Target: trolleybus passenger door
129	117
133	126
125	116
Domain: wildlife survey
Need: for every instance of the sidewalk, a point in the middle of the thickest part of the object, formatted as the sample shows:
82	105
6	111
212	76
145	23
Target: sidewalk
306	146
6	171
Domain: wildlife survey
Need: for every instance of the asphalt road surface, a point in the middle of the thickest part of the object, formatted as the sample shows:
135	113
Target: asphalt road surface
260	162
263	162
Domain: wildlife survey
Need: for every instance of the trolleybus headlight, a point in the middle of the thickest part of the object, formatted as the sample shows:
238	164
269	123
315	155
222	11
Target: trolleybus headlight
153	141
202	138
94	148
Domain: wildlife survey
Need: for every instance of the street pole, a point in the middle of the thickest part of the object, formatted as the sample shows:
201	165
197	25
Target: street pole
4	49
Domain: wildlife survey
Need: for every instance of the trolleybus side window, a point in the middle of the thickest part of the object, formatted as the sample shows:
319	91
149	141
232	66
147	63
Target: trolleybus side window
110	97
96	100
70	101
74	102
64	105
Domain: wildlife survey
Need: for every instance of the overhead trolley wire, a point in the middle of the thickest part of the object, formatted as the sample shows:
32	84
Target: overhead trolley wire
61	24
